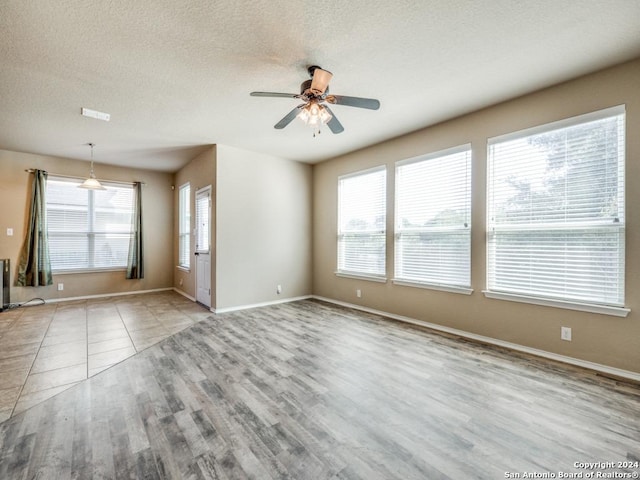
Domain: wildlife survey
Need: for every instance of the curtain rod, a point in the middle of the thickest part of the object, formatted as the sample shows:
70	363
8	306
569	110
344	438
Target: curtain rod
31	170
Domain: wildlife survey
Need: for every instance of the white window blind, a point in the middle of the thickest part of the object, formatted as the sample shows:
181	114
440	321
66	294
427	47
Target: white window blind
184	226
88	229
362	222
556	214
433	219
203	201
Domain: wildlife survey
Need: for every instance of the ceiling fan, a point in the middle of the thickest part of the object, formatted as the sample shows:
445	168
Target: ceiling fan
315	95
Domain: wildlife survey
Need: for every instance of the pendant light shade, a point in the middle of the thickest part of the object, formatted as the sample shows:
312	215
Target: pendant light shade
92	182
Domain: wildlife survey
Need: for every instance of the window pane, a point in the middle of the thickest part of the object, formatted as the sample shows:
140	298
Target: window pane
113	210
110	250
67	220
184	225
60	192
202	221
67	207
582	265
68	251
556	212
362	222
434	257
362	253
433	215
88	228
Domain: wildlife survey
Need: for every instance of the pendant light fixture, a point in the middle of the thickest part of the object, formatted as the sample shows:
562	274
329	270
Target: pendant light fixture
92	182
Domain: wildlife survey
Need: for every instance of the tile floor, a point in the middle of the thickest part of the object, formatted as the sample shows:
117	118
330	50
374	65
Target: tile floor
48	348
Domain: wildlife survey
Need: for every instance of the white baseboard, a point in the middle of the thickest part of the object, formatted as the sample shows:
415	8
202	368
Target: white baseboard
617	372
263	304
184	294
104	295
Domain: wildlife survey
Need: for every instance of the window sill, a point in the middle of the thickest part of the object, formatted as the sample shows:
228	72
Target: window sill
89	270
548	302
362	276
184	269
433	286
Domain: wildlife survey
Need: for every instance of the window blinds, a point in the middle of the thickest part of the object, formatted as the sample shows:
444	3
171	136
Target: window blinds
88	229
202	221
362	222
184	224
556	215
433	219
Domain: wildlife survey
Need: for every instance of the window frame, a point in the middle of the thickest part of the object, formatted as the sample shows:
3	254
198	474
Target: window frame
425	281
184	226
204	192
614	309
347	273
91	234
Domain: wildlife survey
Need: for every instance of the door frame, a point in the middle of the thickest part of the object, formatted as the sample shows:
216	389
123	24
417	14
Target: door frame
208	190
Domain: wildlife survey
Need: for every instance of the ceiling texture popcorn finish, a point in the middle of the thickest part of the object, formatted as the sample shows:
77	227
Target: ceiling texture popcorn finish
176	76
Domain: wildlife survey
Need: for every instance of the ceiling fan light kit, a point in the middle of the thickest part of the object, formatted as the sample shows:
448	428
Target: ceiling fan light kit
314	115
315	93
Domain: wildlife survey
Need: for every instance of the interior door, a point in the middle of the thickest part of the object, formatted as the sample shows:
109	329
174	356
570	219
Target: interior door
203	246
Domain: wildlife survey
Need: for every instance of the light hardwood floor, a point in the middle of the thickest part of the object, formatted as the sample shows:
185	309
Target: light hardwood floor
312	391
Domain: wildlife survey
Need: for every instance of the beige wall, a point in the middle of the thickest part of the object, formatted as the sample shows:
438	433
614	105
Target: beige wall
597	338
199	172
263	228
15	191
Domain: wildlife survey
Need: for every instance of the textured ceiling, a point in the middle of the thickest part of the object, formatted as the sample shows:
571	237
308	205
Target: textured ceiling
176	76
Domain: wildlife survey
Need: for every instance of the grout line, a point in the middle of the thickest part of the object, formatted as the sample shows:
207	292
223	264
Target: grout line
86	310
55	386
34	361
126	329
86	330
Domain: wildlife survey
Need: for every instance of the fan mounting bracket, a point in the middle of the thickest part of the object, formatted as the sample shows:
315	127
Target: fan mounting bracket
305	91
312	68
305	86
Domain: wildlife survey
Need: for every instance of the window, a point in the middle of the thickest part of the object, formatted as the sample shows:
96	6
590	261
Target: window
203	213
88	229
556	216
184	220
362	223
433	220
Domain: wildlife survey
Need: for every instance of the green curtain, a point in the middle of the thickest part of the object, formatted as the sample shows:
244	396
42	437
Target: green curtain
135	260
34	269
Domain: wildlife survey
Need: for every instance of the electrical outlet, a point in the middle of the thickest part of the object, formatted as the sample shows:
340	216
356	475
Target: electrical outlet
359	293
565	333
181	281
9	232
60	287
279	289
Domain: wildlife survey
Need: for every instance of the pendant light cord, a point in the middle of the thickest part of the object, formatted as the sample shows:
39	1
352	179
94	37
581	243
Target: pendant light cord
91	173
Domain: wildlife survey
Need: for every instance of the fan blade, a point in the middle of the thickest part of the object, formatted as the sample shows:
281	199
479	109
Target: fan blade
334	124
288	118
274	94
370	103
320	81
